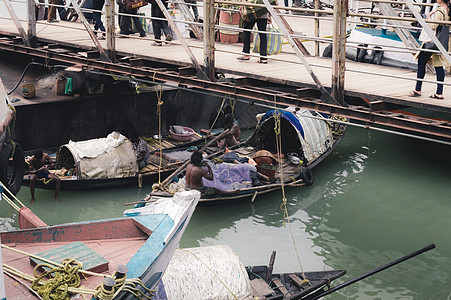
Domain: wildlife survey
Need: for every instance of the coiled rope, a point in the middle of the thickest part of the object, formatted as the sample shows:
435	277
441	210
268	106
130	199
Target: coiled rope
66	280
59	279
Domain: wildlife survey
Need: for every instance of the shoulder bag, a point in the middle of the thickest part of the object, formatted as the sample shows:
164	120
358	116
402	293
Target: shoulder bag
442	34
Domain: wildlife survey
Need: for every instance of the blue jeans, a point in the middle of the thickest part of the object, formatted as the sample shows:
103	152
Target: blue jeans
423	58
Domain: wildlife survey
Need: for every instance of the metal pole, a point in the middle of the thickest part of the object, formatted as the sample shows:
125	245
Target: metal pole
16	21
317	29
31	23
209	38
88	28
110	30
338	50
325	95
177	33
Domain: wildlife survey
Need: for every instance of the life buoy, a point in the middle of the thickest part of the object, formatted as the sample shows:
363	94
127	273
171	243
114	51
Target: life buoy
11	171
307	176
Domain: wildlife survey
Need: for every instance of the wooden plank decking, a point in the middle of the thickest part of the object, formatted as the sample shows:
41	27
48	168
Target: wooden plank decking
369	81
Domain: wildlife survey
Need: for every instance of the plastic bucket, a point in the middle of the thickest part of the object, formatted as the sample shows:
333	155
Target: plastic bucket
28	90
229	19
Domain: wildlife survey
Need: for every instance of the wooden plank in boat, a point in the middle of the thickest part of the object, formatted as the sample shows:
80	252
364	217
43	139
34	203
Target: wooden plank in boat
90	259
282	288
260	288
298	281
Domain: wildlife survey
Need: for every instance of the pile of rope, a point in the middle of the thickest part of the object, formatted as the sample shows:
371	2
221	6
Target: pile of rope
62	281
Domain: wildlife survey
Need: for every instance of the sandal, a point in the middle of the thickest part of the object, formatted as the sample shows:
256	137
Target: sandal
435	96
414	93
243	58
262	61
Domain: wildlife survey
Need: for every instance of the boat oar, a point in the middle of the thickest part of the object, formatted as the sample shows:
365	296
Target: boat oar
377	270
180	169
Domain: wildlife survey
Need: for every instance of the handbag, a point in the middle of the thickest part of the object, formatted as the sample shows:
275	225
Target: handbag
252	13
274	41
442	34
132	5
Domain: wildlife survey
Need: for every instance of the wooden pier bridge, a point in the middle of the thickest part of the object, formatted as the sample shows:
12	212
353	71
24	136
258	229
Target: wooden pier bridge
375	95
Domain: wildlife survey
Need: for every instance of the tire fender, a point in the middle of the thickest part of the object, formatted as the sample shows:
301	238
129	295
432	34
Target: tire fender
11	172
307	176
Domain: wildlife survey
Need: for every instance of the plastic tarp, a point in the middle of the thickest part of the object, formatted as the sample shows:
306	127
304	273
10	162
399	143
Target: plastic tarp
110	157
228	176
314	133
213	272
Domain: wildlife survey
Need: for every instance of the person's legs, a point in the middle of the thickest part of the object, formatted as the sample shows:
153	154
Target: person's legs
57	185
125	25
157	30
51	17
41	10
61	10
423	58
139	26
33	179
261	25
440	73
166	30
98	22
247	36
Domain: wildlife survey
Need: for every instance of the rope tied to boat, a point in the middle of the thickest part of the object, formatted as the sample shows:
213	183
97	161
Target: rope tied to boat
159	92
134	287
60	279
283	207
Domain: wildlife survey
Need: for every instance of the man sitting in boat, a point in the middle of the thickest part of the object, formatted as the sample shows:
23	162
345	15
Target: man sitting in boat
142	151
39	169
233	137
195	173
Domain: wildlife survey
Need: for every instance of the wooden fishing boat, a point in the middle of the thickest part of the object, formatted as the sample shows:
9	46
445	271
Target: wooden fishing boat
267	160
216	272
289	285
111	162
140	245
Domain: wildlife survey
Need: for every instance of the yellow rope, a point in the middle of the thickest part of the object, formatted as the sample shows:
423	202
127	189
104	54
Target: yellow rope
122	285
214	273
283	206
159	104
61	277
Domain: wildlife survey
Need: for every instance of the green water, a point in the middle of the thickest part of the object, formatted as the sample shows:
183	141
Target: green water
376	198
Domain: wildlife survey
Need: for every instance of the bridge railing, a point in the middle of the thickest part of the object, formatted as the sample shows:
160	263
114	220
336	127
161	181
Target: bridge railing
355	15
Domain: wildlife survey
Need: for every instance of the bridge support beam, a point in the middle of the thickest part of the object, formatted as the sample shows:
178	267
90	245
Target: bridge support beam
110	30
209	39
338	50
31	23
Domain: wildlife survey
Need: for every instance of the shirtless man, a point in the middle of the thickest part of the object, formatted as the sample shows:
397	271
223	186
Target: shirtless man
195	173
233	137
39	168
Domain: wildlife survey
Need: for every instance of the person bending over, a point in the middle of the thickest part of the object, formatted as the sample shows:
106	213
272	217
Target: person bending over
195	173
39	169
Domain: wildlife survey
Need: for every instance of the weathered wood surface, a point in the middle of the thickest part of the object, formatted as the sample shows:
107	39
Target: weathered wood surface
377	83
